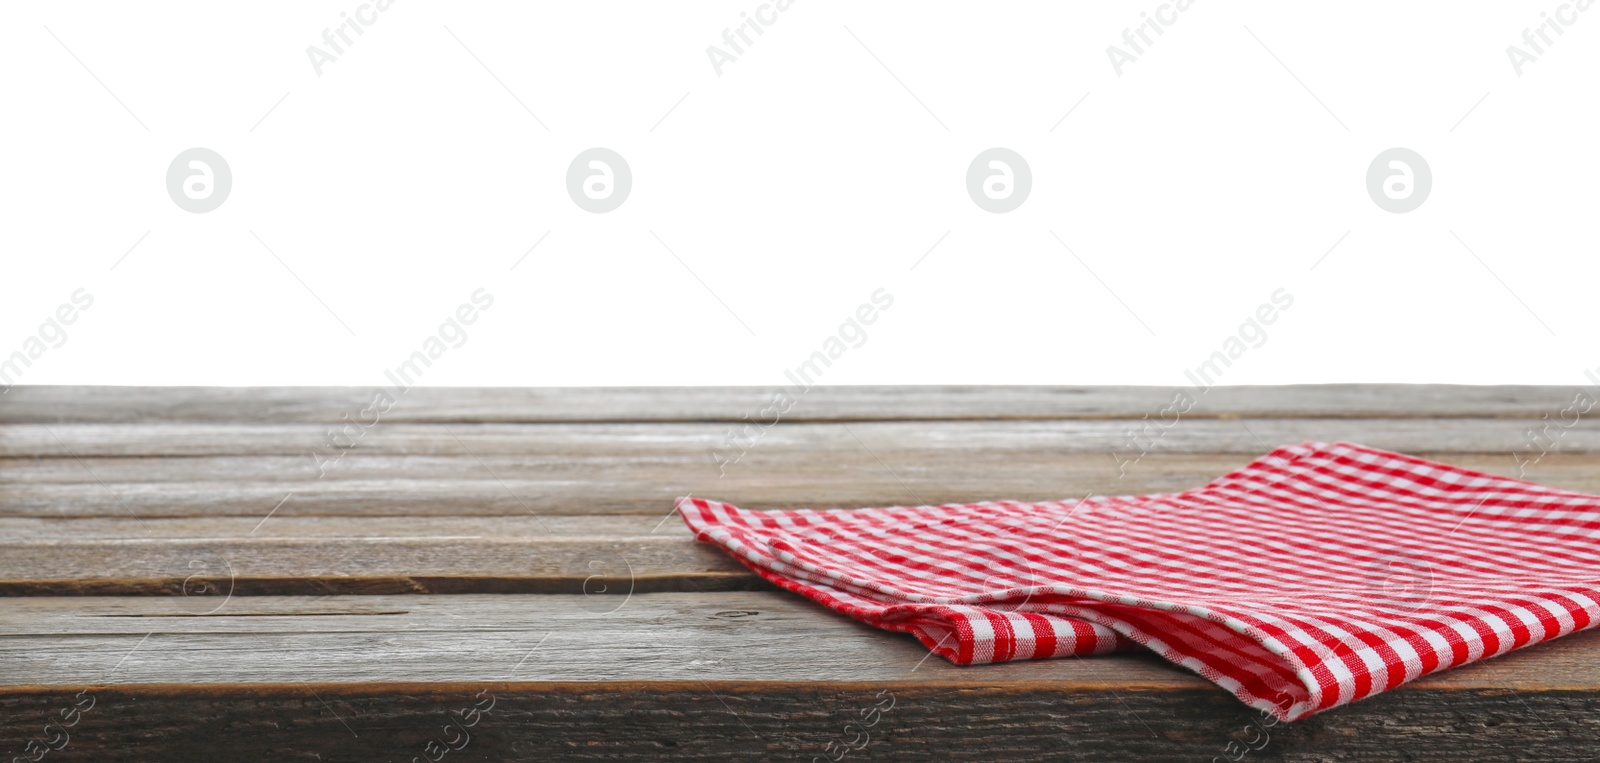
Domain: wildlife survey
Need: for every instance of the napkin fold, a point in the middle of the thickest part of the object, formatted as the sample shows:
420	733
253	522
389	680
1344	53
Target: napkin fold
1317	575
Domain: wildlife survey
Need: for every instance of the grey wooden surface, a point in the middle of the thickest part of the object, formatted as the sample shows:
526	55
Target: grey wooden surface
176	556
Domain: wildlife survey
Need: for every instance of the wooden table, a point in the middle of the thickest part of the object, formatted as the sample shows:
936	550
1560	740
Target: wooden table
493	574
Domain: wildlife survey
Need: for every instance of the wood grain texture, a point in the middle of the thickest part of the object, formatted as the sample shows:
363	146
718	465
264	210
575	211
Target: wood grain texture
745	636
770	636
546	486
317	556
721	721
538	521
697	442
672	676
25	404
21	529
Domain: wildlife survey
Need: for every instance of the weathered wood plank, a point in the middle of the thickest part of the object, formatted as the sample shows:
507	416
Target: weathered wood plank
729	676
702	442
1049	465
712	720
168	557
737	636
551	486
25	404
114	528
746	636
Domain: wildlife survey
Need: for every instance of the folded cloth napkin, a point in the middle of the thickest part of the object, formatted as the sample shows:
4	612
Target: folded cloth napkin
1315	576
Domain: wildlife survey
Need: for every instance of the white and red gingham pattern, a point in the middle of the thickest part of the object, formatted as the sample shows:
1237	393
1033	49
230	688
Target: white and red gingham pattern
1315	576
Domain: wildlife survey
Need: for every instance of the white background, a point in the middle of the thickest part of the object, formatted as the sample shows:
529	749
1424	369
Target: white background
793	185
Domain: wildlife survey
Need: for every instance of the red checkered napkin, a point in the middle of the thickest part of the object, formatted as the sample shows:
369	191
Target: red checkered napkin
1315	576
